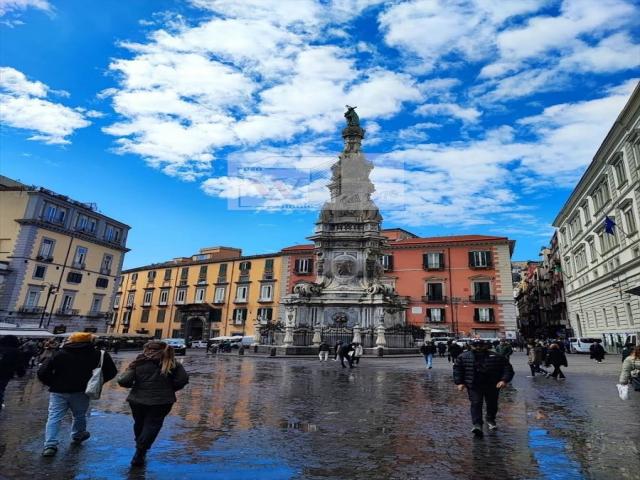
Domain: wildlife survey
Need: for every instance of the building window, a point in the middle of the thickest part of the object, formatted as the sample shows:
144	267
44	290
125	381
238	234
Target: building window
216	315
112	234
575	226
54	214
580	258
268	265
46	249
621	173
164	296
67	302
435	315
592	250
200	294
434	292
74	277
144	316
630	220
239	316
245	267
222	271
586	212
39	272
105	267
116	301
80	257
433	261
202	275
629	314
148	297
33	297
102	282
266	292
484	315
181	295
242	292
96	304
265	315
218	296
86	224
151	276
481	292
600	195
167	275
387	263
134	278
157	333
184	276
303	266
607	241
161	313
176	333
130	299
480	259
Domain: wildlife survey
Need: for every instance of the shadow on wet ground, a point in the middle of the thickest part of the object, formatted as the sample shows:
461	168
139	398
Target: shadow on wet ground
248	418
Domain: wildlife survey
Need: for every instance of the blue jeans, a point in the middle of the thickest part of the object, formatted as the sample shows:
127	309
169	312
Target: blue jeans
59	403
429	359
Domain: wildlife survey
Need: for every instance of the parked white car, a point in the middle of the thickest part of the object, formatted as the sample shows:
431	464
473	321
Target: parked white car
199	344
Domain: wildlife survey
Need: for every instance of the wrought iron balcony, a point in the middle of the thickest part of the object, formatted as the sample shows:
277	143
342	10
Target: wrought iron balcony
482	298
30	309
67	312
435	299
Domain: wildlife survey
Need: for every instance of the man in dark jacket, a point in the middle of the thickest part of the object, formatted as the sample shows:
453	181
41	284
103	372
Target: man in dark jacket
597	351
11	363
346	352
505	349
428	349
454	351
483	373
67	373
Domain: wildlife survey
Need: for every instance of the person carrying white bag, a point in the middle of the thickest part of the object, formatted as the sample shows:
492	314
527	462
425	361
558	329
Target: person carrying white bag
68	373
630	374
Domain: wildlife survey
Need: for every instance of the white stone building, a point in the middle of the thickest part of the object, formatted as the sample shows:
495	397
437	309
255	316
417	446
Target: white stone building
602	271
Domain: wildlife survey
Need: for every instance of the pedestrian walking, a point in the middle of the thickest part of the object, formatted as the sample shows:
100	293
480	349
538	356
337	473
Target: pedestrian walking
11	363
67	373
153	377
428	349
48	349
323	351
557	358
454	351
631	369
626	350
597	352
29	350
337	348
442	348
358	351
535	358
346	352
483	373
115	346
505	349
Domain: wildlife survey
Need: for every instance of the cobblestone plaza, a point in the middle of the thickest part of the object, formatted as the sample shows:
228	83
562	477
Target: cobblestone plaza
275	418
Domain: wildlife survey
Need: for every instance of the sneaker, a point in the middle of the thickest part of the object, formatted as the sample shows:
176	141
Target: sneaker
430	368
49	451
81	437
492	425
477	430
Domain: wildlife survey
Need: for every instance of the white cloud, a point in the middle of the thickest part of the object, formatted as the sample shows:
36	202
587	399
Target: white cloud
23	105
466	114
7	6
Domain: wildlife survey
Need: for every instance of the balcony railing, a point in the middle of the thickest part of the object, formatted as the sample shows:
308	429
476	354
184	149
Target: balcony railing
432	267
482	298
30	309
67	312
435	299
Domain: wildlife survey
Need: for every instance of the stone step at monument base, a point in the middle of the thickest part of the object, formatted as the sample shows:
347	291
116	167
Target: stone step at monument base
281	351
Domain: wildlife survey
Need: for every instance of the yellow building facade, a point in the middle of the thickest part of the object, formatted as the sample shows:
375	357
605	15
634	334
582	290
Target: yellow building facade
215	292
62	259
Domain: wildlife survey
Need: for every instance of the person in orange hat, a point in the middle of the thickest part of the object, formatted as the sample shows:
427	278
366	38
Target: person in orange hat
67	373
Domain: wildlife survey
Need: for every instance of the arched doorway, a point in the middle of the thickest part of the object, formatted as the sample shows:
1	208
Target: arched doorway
195	328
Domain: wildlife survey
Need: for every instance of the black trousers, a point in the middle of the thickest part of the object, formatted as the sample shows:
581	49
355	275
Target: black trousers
483	394
349	359
147	422
557	372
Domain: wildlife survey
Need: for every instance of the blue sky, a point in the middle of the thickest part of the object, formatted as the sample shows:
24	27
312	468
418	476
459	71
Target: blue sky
214	122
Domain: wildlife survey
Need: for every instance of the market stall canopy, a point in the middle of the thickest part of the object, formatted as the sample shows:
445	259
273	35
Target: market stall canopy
26	332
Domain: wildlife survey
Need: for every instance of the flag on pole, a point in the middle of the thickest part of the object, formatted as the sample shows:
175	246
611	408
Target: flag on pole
609	225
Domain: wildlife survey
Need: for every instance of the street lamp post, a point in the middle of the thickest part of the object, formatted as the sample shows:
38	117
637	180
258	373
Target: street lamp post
51	290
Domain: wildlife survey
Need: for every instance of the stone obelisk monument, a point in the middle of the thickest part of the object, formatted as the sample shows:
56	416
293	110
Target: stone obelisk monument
349	289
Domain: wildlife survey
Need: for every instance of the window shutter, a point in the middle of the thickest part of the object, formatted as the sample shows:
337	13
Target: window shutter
441	260
489	259
428	314
248	265
471	262
390	262
216	314
235	310
442	310
476	314
244	314
311	265
425	260
491	317
269	313
296	268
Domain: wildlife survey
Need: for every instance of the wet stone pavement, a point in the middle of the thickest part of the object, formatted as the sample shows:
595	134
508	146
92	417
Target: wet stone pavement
276	418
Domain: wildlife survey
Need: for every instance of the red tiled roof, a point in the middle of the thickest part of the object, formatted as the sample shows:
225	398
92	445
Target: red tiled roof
448	239
308	246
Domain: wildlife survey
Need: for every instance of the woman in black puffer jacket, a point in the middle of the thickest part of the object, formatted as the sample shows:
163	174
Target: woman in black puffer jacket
154	377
